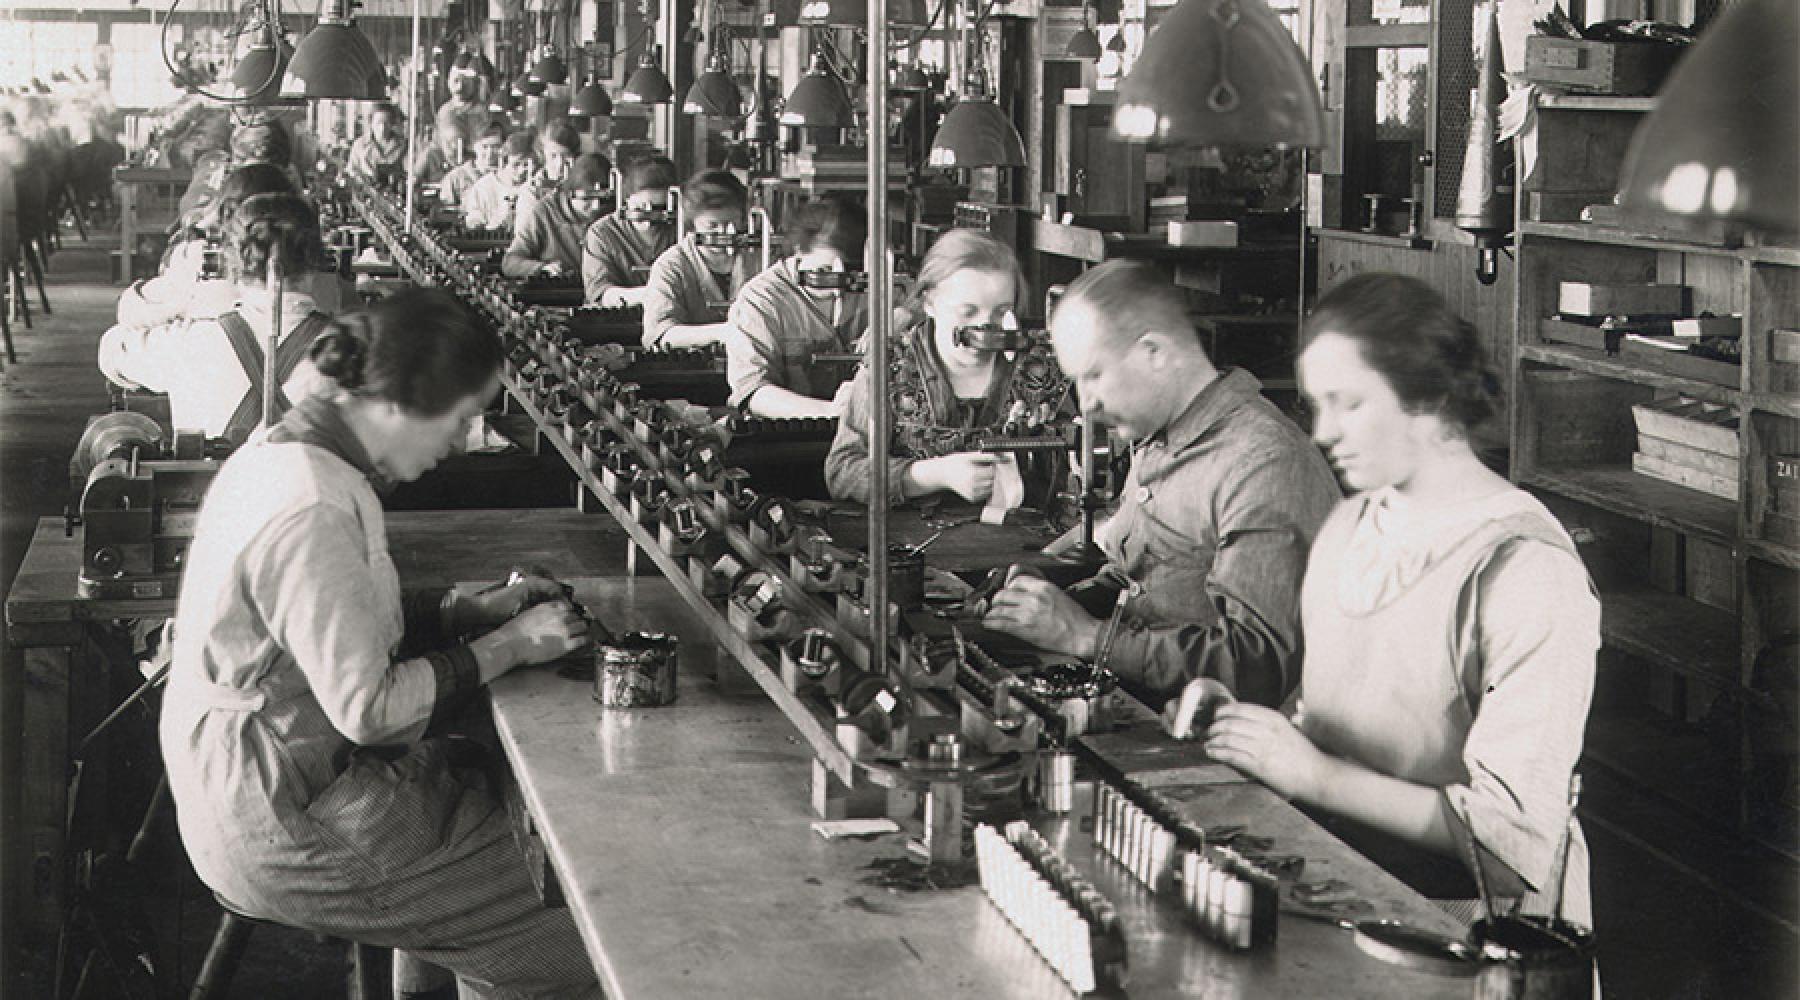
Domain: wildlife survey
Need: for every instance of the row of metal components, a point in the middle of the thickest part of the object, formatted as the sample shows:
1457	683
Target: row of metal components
1234	900
1070	922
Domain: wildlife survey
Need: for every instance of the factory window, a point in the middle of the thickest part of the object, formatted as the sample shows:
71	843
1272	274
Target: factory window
41	48
139	77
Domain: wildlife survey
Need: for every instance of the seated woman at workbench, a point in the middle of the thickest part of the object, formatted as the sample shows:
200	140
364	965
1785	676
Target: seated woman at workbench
797	309
619	248
491	201
1450	627
548	241
212	367
186	287
944	396
303	679
691	287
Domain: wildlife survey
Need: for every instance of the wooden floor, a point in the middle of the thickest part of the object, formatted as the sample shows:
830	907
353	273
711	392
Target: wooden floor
1683	911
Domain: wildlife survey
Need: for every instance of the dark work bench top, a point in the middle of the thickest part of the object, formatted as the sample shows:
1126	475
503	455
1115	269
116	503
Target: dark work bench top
433	548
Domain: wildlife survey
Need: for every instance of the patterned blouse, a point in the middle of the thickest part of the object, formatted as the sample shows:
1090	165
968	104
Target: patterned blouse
1026	391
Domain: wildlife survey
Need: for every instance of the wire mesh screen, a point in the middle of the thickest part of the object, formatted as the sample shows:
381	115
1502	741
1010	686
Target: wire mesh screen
1456	77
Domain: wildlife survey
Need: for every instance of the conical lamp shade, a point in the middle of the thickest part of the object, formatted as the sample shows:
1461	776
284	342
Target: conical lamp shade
551	69
1084	44
648	83
503	101
591	101
257	78
529	86
715	95
1205	80
335	61
1723	144
855	13
976	133
818	101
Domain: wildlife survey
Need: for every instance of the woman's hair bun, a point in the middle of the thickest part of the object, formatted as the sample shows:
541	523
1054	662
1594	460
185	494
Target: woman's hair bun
340	353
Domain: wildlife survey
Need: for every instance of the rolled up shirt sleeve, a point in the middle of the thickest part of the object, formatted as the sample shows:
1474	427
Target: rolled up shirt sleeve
1538	632
1266	516
662	297
751	354
310	579
143	357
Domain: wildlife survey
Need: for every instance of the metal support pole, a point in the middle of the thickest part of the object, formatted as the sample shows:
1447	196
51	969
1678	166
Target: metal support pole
270	374
412	121
881	318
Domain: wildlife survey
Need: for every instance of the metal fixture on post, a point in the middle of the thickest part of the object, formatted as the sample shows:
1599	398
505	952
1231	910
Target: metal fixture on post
412	122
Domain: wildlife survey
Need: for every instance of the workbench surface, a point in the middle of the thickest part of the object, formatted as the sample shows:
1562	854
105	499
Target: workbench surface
681	837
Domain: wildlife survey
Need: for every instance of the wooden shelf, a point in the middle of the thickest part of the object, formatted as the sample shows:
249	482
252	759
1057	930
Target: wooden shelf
1774	402
1588	232
1600	363
1622	491
1785	256
1595	102
1677	632
1771	552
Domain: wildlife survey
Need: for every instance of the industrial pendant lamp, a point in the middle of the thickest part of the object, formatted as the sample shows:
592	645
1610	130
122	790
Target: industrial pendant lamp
591	101
529	86
1221	73
550	67
504	101
1723	144
819	100
976	133
1084	44
910	80
855	13
648	83
335	61
257	78
715	94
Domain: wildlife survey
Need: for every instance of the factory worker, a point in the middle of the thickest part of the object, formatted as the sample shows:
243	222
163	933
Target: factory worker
1451	628
192	282
376	155
449	144
491	201
212	368
798	308
692	285
548	242
1225	494
944	395
465	106
619	248
304	679
558	147
489	146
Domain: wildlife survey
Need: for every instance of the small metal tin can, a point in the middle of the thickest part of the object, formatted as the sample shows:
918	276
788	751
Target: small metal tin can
906	577
638	670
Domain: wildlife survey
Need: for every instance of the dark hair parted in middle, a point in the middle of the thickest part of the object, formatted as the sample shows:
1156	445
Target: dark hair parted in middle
1407	333
245	182
420	348
712	190
265	222
1133	298
836	219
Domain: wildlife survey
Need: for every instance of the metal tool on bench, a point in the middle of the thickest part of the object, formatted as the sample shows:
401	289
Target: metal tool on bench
138	504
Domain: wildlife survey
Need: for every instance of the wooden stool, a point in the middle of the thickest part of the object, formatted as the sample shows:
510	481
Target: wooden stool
369	964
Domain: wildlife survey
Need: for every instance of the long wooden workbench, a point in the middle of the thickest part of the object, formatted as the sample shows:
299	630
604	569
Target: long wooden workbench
681	837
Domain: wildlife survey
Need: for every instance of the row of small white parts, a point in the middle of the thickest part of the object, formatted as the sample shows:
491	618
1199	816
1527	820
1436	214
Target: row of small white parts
1144	846
1027	899
1222	901
1090	902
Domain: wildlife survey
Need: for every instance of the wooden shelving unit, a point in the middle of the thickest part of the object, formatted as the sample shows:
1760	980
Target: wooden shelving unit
1695	587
